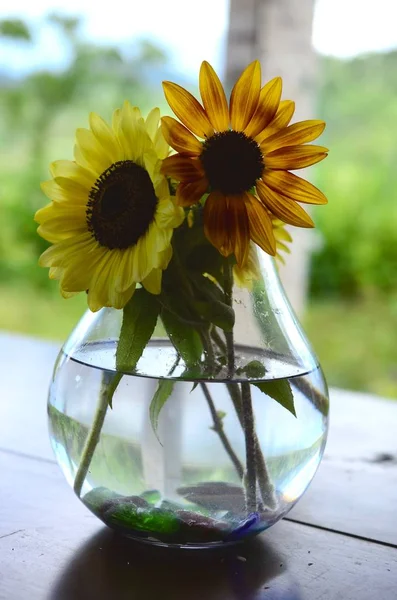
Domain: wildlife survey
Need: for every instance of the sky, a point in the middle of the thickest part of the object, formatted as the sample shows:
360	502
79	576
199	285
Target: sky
342	28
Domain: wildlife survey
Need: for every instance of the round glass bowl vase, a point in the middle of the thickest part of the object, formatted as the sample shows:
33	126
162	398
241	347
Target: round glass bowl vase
192	461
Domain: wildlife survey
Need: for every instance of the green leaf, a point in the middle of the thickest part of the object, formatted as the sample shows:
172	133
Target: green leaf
163	392
279	390
253	370
139	320
179	304
218	313
206	259
185	339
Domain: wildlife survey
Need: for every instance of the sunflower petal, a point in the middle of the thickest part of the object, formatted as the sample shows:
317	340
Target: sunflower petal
295	157
73	171
91	151
180	138
165	257
245	95
182	168
168	215
132	135
213	97
152	122
65	190
266	110
191	193
280	233
124	279
116	120
260	225
152	283
283	116
160	144
283	247
58	222
106	138
187	109
59	254
216	223
284	208
238	228
98	290
298	133
293	187
77	274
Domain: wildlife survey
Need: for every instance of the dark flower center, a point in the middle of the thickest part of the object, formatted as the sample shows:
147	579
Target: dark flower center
232	162
122	204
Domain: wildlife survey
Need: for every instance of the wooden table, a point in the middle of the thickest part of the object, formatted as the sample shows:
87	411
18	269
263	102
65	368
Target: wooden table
339	542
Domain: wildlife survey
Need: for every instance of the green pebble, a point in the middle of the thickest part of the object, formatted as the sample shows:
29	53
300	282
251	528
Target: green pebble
153	520
151	496
96	497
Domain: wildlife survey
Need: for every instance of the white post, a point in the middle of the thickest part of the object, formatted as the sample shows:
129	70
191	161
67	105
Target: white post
278	33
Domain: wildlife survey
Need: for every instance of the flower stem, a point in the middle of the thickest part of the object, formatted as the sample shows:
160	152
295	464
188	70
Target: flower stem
250	446
108	387
209	351
265	485
218	341
218	428
228	290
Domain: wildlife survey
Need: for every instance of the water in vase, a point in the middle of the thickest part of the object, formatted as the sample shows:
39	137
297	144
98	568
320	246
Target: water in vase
182	482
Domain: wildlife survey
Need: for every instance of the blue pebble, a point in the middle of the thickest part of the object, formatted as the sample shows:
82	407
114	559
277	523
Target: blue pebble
244	526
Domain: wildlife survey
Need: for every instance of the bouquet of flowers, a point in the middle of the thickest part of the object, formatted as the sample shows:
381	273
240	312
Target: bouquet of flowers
164	219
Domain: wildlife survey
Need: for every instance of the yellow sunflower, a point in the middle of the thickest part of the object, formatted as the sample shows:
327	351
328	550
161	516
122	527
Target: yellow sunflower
243	160
111	218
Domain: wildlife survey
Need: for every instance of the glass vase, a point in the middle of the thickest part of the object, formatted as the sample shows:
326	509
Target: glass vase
185	457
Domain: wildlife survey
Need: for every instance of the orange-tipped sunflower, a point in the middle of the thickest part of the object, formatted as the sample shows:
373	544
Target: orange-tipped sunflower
242	158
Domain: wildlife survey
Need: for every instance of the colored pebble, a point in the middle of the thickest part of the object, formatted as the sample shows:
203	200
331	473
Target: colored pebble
153	520
151	496
98	496
136	501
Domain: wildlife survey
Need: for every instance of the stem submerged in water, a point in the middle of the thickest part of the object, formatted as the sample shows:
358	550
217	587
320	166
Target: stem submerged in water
108	387
218	428
265	485
228	290
250	447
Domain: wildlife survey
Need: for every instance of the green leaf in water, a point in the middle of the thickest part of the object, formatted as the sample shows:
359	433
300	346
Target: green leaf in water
139	320
184	337
163	392
253	370
279	390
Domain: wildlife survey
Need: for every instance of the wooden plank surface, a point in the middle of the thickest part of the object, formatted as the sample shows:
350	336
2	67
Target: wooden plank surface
52	548
356	498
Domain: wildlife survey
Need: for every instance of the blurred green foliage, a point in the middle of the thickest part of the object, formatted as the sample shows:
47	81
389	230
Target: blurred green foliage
359	253
353	311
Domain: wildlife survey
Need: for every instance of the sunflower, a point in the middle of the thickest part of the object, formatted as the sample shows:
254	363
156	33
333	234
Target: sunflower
111	217
245	167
